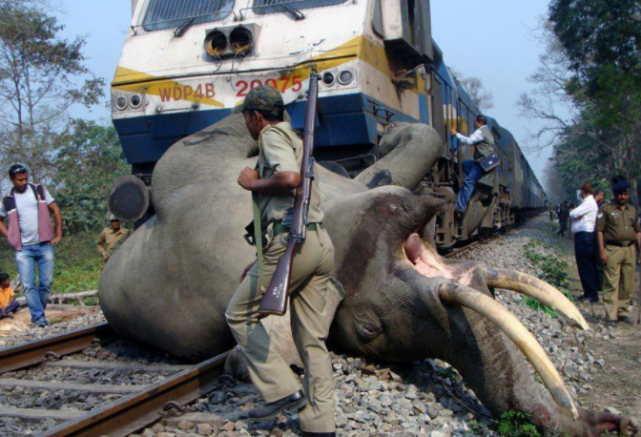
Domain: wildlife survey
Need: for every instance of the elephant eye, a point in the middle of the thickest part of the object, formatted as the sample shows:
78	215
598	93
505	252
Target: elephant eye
368	331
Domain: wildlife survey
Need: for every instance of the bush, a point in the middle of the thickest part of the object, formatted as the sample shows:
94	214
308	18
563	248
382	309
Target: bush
78	264
516	424
552	270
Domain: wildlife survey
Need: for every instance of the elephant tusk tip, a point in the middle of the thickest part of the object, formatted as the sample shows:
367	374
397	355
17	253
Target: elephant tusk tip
576	322
563	398
581	323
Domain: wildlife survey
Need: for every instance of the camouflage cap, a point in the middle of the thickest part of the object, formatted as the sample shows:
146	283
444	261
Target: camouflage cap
263	98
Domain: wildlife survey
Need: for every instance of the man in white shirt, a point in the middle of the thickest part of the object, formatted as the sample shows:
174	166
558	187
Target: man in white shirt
583	220
483	140
27	209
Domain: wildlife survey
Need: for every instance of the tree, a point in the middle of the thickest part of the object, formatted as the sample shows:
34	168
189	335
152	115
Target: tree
590	141
41	76
474	87
602	42
90	158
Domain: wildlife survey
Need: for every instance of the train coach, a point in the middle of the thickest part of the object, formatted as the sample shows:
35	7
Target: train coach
186	65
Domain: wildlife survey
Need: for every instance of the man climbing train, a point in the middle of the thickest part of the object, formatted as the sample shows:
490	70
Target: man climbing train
273	183
473	171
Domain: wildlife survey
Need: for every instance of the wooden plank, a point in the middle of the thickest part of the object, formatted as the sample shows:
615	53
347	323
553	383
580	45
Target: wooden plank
88	388
74	364
31	414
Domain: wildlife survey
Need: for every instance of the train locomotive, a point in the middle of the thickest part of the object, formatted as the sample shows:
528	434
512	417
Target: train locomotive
186	65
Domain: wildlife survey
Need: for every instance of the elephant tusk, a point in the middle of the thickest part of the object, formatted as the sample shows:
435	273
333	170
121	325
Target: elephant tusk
457	294
536	289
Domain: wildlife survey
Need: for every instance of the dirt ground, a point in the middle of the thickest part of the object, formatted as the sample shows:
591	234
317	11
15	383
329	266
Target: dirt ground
618	382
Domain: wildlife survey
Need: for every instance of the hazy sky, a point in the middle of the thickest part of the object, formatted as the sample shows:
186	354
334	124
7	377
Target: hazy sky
492	40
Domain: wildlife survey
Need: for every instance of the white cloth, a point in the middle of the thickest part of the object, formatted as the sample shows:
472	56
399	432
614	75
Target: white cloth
583	217
27	214
475	138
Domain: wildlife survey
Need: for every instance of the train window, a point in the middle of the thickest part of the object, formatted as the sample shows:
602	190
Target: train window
276	6
438	108
166	14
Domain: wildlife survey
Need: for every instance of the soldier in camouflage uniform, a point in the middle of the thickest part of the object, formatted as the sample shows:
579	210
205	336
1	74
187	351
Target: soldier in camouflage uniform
273	183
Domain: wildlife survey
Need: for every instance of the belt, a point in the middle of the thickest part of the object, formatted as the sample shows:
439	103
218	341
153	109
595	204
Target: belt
619	243
279	228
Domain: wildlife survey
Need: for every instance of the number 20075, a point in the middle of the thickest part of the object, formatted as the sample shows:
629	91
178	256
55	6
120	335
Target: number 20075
280	84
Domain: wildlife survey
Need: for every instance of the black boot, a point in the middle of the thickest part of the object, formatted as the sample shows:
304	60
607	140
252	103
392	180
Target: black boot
294	401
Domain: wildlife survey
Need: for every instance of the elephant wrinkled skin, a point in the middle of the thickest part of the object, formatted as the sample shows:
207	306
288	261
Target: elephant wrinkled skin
171	281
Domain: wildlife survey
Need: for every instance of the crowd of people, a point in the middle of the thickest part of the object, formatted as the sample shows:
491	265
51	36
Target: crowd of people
26	214
607	236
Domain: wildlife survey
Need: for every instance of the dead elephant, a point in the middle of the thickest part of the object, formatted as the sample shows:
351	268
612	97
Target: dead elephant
170	283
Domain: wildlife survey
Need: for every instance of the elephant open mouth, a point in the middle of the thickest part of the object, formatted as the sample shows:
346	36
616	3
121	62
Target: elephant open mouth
454	289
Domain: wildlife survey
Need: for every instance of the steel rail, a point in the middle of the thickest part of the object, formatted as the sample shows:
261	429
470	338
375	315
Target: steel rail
133	412
35	352
462	249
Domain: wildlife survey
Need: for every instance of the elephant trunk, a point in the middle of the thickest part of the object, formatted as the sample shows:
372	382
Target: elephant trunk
496	370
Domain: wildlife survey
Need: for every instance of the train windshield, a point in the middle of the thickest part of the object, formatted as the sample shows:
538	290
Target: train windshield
166	14
274	6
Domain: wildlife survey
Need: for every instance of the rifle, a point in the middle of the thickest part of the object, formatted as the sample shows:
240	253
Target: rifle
275	299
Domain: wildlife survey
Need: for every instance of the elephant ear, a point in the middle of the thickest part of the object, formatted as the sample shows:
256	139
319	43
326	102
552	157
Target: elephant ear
371	227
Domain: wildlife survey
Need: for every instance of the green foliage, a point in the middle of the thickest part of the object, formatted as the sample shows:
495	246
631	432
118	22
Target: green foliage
552	270
601	40
90	158
597	35
78	264
516	424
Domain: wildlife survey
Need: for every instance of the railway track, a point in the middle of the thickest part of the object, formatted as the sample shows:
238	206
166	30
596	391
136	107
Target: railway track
58	373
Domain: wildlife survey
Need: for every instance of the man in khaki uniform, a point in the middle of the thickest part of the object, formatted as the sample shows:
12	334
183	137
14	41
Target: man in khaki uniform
618	230
273	183
111	238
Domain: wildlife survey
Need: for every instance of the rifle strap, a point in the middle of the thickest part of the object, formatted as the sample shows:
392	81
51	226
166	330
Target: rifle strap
258	239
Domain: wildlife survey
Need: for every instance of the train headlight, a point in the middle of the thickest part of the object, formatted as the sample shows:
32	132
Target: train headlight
215	43
136	101
345	77
121	103
328	79
241	40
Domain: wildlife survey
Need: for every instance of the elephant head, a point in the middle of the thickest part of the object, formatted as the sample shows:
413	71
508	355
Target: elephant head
404	302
